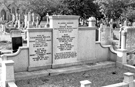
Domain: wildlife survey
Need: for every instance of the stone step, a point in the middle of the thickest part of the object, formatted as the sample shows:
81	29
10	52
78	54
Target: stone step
66	70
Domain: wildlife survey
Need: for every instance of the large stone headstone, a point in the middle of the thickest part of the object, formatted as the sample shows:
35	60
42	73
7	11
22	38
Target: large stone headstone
65	38
16	39
40	48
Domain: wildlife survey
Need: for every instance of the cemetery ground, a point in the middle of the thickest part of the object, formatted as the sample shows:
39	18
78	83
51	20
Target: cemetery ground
98	77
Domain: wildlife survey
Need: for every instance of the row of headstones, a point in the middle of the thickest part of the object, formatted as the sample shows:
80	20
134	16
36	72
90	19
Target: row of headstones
126	41
16	36
106	35
17	40
30	20
16	19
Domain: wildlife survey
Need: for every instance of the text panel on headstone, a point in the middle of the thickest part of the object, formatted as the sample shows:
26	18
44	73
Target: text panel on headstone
40	48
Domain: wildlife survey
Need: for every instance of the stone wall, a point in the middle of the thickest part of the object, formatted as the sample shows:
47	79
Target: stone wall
63	44
88	51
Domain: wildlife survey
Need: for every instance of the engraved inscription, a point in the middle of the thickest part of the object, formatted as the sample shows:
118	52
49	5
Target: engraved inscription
66	41
40	44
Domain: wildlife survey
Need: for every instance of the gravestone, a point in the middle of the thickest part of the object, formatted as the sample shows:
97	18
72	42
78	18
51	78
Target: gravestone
25	20
130	45
133	24
42	24
13	18
106	35
65	38
1	29
47	17
16	39
37	22
40	48
130	39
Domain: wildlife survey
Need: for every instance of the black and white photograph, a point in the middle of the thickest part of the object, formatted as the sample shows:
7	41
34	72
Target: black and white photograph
67	43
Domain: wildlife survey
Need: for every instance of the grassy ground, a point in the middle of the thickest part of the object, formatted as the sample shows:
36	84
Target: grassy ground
100	77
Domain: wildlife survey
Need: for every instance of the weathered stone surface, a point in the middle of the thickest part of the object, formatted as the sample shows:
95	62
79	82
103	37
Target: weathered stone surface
40	48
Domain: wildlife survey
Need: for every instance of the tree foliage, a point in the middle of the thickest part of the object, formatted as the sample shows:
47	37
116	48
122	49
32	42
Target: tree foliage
129	14
112	8
42	7
83	8
117	8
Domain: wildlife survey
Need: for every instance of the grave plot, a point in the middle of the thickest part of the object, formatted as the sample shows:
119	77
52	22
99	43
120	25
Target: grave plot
130	45
99	78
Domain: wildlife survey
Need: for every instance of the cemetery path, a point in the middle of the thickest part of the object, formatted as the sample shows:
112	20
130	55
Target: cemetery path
99	77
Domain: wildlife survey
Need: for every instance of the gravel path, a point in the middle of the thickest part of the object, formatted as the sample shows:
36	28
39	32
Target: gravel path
100	77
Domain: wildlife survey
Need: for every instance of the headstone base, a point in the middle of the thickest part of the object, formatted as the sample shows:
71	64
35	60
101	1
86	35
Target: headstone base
64	65
39	68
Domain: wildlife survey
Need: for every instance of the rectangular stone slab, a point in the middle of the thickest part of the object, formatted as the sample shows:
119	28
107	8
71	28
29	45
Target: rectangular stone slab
40	48
65	40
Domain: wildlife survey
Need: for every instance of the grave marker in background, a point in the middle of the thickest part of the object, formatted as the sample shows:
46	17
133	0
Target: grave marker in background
1	29
106	35
16	39
130	41
130	45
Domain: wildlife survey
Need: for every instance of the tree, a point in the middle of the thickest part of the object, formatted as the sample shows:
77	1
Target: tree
42	7
112	8
83	8
128	13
